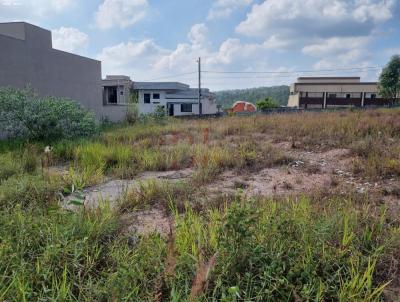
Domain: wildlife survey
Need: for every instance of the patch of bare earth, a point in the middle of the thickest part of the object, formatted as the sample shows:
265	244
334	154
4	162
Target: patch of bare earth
141	222
112	190
145	222
309	172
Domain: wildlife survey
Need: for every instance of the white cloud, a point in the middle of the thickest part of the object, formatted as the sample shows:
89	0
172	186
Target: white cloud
198	34
131	58
32	10
9	3
43	7
224	8
69	39
336	46
342	52
274	42
322	18
121	13
146	60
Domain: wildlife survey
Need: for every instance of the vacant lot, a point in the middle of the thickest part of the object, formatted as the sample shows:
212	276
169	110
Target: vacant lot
293	207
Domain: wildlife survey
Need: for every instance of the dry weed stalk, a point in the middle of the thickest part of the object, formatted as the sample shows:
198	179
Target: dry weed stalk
206	136
200	281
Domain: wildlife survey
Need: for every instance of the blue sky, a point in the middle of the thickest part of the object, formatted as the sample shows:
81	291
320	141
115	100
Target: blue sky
158	39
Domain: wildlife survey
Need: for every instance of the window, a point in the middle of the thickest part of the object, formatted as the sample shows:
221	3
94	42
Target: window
147	98
373	96
186	107
156	96
112	95
122	92
348	95
332	95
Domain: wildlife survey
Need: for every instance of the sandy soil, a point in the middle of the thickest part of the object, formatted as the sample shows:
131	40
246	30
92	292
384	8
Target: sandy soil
146	222
310	171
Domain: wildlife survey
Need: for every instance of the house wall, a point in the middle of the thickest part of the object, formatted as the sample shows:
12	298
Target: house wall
209	106
178	112
115	113
340	88
328	80
294	100
368	87
28	59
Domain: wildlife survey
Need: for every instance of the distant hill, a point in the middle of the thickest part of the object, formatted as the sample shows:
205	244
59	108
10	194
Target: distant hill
227	97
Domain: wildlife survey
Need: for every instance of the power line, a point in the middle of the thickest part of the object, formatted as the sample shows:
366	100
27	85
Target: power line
295	71
171	76
268	74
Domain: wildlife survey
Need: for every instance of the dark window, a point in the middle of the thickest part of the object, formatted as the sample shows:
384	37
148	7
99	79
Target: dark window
112	95
332	95
156	96
122	92
348	96
373	96
147	98
186	107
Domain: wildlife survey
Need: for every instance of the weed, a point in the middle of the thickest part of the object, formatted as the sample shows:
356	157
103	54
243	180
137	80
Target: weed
28	190
153	192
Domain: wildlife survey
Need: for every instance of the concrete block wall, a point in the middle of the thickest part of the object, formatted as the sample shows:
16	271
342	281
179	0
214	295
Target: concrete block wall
28	59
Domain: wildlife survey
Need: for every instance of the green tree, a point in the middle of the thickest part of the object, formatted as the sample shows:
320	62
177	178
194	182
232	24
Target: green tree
389	80
227	97
267	103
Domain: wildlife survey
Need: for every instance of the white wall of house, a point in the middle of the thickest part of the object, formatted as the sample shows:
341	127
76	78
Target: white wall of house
169	95
208	105
294	100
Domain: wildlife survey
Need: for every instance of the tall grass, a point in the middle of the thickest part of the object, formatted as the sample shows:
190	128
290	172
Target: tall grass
241	249
283	250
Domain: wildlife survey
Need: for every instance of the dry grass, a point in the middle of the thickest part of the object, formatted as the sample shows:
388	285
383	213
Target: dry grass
324	247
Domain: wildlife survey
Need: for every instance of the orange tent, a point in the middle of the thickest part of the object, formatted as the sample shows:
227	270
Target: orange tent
242	106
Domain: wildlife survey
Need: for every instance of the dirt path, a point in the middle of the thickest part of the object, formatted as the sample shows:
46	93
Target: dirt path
309	172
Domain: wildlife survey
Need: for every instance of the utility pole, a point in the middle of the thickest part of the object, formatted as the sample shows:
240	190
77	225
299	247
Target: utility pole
200	109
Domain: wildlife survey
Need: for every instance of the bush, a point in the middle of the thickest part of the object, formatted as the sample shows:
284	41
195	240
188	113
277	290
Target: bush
266	104
159	115
24	115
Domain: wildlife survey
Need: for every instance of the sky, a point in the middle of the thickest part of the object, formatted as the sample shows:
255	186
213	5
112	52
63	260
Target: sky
242	43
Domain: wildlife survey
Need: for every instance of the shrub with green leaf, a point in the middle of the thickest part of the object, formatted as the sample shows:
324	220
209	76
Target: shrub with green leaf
25	115
267	103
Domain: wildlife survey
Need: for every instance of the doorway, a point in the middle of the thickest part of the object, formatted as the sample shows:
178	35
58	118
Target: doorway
171	109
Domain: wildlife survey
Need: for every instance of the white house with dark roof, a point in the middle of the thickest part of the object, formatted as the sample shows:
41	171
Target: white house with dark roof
177	99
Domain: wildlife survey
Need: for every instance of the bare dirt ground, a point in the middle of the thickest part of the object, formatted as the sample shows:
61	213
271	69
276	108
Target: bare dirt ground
309	172
145	222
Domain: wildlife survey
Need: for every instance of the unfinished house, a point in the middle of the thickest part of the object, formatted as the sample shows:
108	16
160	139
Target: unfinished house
27	59
326	92
177	99
116	95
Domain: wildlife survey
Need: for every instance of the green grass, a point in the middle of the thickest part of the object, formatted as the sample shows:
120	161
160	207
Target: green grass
310	248
267	250
278	250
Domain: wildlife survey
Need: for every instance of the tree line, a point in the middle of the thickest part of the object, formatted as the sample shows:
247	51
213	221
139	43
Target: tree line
279	94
